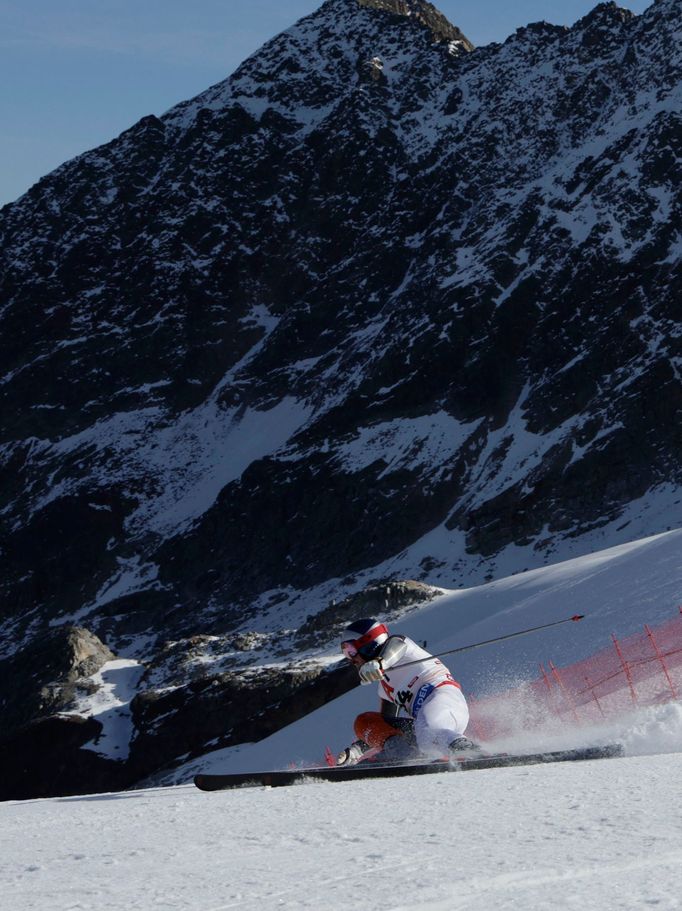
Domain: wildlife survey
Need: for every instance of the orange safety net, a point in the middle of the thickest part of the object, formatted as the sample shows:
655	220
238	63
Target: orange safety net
642	669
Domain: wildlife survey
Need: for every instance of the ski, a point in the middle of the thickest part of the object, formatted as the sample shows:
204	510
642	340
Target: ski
364	770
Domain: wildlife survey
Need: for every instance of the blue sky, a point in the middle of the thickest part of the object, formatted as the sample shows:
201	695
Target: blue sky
76	73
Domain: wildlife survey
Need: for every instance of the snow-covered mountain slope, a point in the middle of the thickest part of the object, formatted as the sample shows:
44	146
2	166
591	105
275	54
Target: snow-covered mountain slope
374	284
380	305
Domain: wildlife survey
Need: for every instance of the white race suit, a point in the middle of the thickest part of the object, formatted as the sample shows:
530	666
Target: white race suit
427	692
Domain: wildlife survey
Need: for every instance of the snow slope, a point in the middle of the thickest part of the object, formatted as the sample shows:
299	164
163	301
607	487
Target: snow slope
619	590
595	835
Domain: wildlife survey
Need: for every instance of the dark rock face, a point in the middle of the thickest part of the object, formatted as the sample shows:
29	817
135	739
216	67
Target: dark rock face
379	306
381	600
424	13
42	679
46	759
182	709
40	748
221	710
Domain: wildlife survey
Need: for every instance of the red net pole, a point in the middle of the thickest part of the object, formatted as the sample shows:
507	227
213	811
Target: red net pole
567	697
626	668
548	682
594	695
661	659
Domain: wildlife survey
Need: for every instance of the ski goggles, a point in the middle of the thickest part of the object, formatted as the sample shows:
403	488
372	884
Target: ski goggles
352	647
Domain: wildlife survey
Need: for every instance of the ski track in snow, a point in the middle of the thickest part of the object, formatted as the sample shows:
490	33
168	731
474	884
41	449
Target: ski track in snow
591	836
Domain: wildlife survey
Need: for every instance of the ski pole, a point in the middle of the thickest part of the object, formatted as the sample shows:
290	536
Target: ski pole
466	648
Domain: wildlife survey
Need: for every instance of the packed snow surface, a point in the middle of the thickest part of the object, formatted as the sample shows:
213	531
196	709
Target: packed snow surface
592	836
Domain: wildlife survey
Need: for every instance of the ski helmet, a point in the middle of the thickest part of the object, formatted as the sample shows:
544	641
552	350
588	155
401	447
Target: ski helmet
364	636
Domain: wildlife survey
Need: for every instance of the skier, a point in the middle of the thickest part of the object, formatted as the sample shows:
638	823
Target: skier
422	708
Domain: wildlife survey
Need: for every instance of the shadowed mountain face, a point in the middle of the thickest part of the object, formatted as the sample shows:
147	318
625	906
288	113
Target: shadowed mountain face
379	304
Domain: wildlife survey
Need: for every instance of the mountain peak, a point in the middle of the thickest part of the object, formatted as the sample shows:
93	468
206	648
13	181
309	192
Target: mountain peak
423	12
606	14
339	44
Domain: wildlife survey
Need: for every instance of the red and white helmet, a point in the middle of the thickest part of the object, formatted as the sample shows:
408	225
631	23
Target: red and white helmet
364	637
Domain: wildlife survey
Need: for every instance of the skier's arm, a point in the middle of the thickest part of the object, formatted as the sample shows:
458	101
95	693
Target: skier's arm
393	650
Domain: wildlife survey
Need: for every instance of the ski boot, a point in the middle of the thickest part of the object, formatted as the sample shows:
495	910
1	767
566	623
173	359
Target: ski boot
396	750
463	748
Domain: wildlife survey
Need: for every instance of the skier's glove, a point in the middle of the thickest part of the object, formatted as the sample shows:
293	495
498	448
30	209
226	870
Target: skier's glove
351	754
370	672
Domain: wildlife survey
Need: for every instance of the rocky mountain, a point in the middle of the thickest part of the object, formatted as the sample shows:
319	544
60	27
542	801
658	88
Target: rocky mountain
379	306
